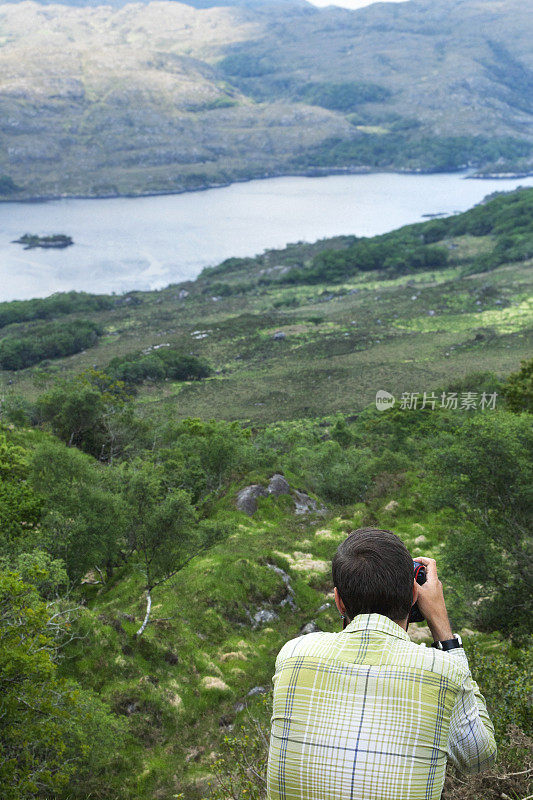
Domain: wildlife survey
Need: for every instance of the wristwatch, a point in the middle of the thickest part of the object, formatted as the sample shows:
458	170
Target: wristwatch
449	644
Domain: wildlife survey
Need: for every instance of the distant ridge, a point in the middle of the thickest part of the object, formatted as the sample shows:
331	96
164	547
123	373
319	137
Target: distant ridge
166	97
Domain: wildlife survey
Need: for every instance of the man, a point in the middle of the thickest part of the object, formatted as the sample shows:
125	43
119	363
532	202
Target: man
366	714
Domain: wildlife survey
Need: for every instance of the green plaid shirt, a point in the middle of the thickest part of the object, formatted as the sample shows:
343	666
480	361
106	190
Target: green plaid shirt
366	714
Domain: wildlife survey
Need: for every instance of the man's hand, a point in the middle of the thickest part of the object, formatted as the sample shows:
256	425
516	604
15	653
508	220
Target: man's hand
431	602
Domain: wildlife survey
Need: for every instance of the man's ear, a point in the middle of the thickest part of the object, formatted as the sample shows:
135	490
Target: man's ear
416	589
338	601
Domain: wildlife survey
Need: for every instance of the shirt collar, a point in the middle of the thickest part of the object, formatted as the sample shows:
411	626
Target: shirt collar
376	622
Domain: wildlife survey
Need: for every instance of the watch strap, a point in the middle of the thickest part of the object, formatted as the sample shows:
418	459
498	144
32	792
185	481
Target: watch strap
449	644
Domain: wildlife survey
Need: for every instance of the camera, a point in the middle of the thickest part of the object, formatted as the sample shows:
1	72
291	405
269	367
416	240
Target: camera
420	577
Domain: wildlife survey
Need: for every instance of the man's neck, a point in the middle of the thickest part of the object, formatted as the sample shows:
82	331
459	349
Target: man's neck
403	623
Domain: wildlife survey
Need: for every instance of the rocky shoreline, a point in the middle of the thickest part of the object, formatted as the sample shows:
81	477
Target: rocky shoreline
311	172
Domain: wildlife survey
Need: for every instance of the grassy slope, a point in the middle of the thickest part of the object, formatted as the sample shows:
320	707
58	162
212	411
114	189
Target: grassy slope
134	99
337	352
177	722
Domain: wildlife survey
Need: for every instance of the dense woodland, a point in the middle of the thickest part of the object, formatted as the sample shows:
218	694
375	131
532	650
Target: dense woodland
141	611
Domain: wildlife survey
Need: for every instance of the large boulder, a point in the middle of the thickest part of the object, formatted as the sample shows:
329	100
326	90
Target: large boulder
247	498
278	485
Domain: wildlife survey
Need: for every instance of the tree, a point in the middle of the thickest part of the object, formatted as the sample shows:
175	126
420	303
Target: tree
484	473
51	732
201	455
92	412
85	519
518	389
163	527
74	410
20	507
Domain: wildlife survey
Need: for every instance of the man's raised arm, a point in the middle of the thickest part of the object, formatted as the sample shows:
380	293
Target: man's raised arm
471	742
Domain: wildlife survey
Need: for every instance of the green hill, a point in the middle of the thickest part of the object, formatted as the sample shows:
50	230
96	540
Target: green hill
164	97
121	469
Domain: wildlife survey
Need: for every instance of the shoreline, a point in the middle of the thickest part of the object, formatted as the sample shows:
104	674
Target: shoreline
313	172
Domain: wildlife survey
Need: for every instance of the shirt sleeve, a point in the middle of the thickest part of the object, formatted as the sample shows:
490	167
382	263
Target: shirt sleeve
471	744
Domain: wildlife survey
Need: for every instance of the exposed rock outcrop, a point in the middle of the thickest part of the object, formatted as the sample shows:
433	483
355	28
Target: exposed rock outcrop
247	498
277	486
306	505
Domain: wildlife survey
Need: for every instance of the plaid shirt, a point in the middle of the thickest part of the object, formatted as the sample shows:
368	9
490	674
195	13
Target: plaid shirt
366	714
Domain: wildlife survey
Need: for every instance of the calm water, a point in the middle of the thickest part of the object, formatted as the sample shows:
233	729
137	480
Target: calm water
149	242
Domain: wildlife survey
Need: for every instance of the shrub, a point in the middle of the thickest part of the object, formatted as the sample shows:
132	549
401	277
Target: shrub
157	365
342	96
56	305
51	340
52	732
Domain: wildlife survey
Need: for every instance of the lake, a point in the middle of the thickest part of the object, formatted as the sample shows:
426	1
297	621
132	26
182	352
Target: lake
148	242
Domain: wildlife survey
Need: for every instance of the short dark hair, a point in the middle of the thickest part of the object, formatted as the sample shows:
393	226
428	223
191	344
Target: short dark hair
373	572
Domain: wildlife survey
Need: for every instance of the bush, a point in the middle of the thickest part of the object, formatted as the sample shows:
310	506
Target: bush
56	305
340	475
52	733
483	473
52	340
202	456
157	365
518	388
342	96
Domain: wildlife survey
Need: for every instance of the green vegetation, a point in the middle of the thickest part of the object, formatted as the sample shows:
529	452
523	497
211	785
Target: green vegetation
245	65
19	350
56	305
392	254
54	734
90	412
8	185
134	594
57	240
129	528
342	96
422	153
519	388
156	365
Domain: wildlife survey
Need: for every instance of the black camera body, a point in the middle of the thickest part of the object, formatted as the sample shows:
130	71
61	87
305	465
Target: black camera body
420	577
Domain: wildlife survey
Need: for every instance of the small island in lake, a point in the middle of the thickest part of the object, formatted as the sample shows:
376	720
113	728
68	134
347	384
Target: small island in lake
30	240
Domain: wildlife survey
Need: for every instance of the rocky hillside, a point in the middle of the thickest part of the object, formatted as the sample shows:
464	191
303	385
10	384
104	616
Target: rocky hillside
167	97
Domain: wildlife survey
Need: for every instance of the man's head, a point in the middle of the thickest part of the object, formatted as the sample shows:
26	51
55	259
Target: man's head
373	573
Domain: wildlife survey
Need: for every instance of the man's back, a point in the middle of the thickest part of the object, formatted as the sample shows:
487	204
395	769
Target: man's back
366	714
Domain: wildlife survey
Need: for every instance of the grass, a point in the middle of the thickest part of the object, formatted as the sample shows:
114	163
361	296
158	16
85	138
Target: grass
179	685
341	344
184	684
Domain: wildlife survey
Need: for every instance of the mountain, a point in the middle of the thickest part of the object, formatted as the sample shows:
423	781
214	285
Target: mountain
164	97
